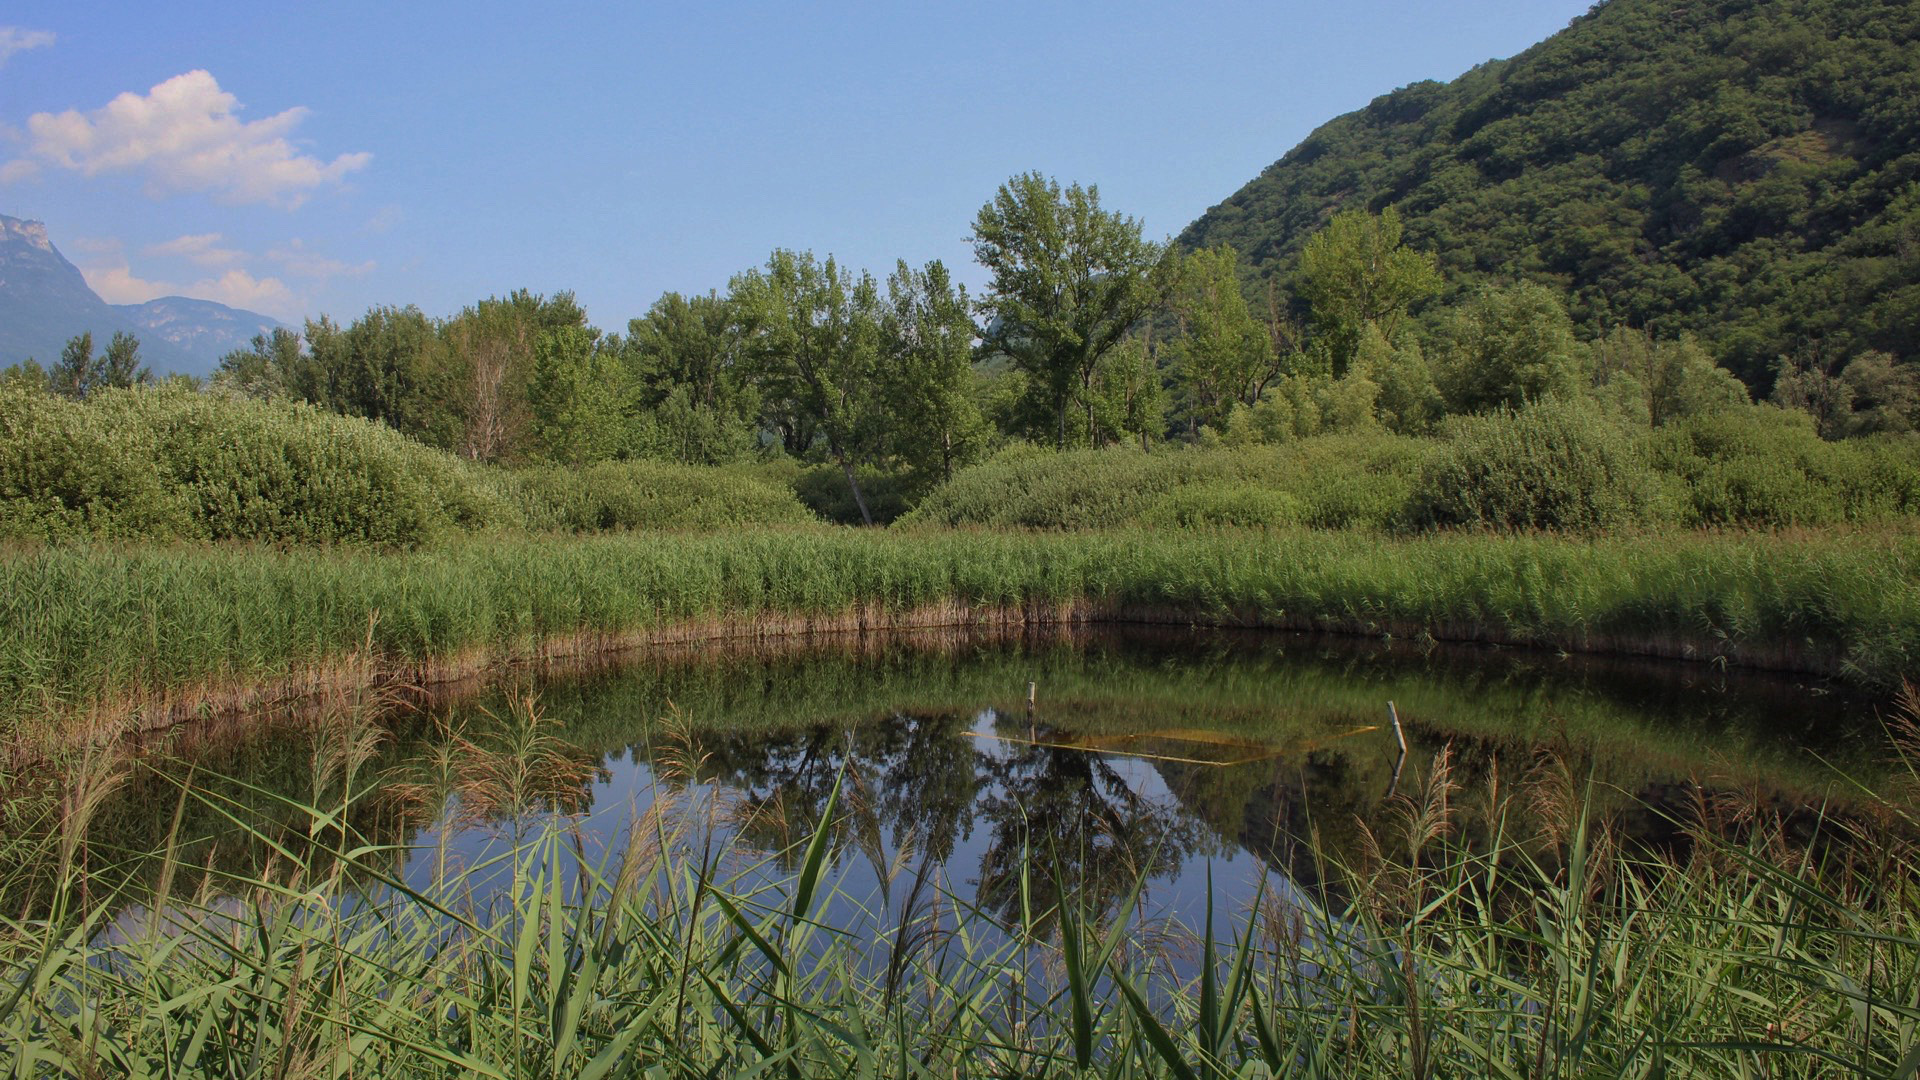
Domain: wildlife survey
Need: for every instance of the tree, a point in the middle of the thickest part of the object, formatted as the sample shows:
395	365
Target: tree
382	367
120	366
25	375
267	368
813	338
1663	381
79	372
580	397
73	373
1506	347
1129	400
1355	273
1221	355
1809	384
1886	393
1069	281
687	355
928	332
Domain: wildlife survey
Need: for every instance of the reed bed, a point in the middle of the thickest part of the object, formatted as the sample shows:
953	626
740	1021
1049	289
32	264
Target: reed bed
1551	951
96	638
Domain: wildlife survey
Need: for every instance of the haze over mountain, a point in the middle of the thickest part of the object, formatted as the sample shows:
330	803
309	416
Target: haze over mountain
1747	171
45	300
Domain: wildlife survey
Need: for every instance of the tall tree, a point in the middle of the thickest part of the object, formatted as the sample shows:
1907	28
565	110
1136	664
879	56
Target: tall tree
928	331
79	372
813	335
1221	354
1658	382
1506	347
1069	281
73	373
266	368
687	356
581	398
1356	273
380	367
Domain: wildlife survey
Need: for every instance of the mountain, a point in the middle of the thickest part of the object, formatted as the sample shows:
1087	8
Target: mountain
1747	171
44	301
201	329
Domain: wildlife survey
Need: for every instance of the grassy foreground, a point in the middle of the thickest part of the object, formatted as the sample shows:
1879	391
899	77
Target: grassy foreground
104	633
1545	952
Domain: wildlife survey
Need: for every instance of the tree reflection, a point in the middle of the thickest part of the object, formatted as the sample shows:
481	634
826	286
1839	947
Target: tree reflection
1065	817
910	780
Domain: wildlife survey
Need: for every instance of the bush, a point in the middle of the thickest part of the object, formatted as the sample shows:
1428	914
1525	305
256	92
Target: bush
1354	480
823	489
66	475
1767	467
1220	504
1553	465
628	495
168	463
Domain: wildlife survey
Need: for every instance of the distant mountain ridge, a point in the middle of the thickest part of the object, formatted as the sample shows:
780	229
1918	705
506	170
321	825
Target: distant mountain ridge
45	300
1746	171
202	329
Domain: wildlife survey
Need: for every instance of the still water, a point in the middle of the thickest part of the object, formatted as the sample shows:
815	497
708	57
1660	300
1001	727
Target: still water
1214	766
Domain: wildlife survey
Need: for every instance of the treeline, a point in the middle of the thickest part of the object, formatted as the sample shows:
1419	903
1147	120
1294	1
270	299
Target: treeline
1089	335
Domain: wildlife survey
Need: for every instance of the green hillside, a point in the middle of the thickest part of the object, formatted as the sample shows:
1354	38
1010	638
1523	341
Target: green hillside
1747	171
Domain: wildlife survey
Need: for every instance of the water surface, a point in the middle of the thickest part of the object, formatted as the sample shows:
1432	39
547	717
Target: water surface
1208	764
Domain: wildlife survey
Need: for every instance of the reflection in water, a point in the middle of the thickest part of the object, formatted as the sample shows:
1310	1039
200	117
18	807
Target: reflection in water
1151	754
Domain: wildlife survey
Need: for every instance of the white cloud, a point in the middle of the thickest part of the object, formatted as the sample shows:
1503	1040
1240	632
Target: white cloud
184	135
15	40
202	248
299	261
19	169
118	284
237	288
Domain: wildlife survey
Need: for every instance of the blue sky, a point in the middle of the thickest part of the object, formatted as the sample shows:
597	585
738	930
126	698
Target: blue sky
324	158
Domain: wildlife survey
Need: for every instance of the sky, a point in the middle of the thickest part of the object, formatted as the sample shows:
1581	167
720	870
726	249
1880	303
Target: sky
324	158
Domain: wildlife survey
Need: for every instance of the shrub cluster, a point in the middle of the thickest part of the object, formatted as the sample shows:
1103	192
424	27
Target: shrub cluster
1359	480
625	495
165	464
1553	465
1556	465
1766	467
172	464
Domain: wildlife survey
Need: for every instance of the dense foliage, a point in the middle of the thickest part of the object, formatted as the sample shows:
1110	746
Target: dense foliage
1740	170
1558	464
171	464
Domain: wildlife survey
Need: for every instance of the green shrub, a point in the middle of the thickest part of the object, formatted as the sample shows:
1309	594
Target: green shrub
1351	480
1221	504
64	474
823	489
1357	480
1767	467
628	495
167	463
1553	465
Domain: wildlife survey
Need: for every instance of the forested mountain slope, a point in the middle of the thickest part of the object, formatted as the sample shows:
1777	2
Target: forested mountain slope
1744	170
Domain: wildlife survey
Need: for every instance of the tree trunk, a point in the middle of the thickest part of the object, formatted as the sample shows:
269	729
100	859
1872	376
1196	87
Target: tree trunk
858	499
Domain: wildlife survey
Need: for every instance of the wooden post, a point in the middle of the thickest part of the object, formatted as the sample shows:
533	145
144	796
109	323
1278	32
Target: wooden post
1400	762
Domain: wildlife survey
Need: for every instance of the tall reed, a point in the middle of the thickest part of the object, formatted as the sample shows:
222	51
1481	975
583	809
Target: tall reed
141	635
1551	954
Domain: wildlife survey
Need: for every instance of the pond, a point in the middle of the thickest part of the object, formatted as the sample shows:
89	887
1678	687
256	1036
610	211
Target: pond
1205	765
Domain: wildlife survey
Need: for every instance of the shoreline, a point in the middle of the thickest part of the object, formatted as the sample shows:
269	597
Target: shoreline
160	638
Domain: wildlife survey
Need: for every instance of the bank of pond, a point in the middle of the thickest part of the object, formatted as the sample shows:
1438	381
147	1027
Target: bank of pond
96	639
1152	852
